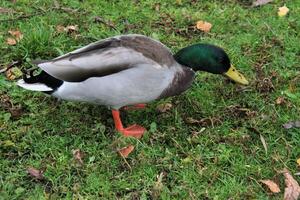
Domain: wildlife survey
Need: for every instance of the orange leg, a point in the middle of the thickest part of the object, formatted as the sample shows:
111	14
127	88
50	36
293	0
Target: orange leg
135	107
133	131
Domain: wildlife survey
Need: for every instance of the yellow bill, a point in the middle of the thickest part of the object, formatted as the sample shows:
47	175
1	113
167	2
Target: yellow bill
234	75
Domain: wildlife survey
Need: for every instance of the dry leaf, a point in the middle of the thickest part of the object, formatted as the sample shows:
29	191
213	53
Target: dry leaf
283	11
263	141
11	41
67	29
203	26
271	185
260	2
17	34
78	155
124	152
280	101
13	73
10	75
292	124
164	107
17	37
72	28
298	161
35	173
292	189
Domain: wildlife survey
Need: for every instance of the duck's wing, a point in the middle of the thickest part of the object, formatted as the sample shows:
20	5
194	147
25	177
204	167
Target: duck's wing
107	57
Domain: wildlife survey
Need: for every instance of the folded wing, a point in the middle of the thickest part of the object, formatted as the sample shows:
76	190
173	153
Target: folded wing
107	57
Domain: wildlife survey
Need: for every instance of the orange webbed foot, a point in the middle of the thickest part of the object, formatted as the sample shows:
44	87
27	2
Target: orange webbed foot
135	130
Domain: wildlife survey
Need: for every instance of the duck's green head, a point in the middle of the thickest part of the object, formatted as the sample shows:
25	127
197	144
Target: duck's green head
209	58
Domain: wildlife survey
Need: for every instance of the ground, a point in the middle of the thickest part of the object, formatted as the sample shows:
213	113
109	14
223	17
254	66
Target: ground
209	145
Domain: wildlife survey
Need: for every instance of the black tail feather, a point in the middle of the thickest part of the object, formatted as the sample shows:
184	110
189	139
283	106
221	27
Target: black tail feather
44	78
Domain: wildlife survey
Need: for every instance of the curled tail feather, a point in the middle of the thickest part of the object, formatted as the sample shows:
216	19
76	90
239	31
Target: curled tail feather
41	82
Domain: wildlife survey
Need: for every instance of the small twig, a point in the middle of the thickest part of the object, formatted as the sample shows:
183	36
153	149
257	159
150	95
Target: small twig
127	163
101	20
244	89
65	9
253	179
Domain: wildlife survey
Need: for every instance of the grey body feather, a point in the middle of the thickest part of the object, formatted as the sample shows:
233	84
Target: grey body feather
119	71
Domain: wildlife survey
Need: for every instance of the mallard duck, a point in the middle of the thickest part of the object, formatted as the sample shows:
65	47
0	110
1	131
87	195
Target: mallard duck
127	70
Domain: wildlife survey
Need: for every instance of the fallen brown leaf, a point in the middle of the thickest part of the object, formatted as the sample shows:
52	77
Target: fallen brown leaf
280	101
67	29
36	173
292	124
292	189
271	185
72	28
11	41
10	75
78	155
13	73
17	34
260	2
283	11
203	26
124	152
164	107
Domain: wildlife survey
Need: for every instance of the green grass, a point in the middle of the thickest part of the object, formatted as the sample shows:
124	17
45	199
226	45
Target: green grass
223	161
